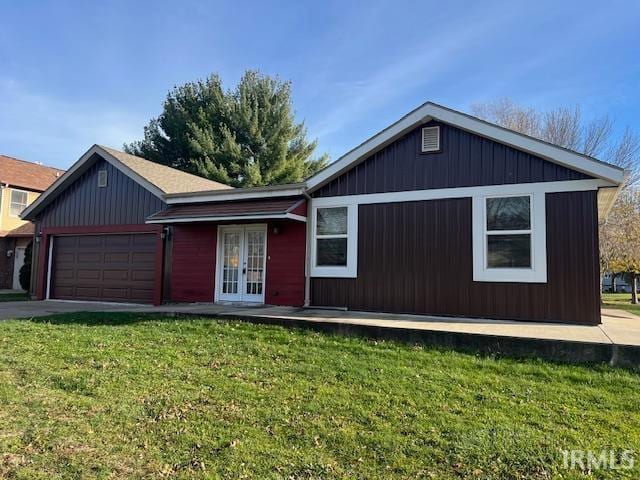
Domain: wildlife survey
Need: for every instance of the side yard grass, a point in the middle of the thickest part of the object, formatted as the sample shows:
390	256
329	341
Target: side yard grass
14	297
129	396
621	301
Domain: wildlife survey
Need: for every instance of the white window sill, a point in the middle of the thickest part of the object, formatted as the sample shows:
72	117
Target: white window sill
333	272
510	275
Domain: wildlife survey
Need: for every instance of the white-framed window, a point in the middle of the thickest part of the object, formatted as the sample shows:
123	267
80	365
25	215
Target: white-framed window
18	202
334	234
509	238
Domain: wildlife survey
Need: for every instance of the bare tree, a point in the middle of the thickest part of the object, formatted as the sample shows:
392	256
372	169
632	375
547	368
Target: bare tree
620	235
565	126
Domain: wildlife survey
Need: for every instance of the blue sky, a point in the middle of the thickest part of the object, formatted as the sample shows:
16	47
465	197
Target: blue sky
77	73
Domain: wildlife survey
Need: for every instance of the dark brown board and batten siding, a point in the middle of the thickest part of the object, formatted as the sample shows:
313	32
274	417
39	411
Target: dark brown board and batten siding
121	202
465	160
416	257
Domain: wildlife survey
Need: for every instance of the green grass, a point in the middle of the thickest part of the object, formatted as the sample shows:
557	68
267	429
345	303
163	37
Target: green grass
128	396
13	297
621	301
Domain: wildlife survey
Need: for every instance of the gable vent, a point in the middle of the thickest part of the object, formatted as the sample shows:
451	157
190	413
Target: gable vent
102	178
430	139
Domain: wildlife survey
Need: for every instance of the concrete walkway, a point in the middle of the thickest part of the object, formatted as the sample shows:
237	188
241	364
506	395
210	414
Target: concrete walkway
618	328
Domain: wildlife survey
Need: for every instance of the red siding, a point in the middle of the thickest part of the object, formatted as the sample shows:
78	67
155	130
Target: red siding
285	264
193	263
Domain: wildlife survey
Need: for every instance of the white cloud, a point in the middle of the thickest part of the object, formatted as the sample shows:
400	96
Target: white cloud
55	131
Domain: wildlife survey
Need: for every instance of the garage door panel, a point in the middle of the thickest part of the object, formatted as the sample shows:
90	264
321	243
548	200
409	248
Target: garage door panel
141	257
142	295
116	257
92	257
119	293
87	291
119	267
65	291
117	275
90	241
142	275
65	258
88	275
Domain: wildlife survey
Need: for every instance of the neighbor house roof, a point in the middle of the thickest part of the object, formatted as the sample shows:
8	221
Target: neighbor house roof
25	230
29	175
158	179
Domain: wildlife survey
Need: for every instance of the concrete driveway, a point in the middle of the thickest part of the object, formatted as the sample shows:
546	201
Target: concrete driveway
30	309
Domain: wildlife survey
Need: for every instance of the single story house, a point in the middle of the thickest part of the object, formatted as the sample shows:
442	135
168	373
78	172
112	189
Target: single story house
21	182
440	213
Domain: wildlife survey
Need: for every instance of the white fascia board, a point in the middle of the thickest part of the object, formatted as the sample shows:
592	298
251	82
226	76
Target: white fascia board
280	216
462	192
531	145
76	169
236	194
430	111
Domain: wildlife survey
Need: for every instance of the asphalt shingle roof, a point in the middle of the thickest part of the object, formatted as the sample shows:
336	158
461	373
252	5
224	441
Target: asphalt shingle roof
29	175
167	179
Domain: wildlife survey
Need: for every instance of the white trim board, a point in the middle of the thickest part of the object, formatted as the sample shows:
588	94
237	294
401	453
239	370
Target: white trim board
431	111
280	216
217	292
237	194
350	270
49	263
461	192
537	273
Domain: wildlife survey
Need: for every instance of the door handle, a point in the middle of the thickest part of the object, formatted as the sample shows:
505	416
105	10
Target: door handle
244	271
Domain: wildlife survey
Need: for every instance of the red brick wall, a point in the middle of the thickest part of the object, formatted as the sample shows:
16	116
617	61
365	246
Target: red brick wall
193	263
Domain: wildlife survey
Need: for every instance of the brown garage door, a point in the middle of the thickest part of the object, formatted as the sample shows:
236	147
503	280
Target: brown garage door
114	268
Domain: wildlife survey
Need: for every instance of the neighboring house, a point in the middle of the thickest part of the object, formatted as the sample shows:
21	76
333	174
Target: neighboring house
20	184
440	213
621	285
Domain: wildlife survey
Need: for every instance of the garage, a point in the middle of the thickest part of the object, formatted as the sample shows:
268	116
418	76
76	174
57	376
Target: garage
113	268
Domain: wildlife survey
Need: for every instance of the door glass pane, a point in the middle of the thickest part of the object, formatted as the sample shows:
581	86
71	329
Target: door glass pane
332	221
230	262
508	213
509	251
331	252
255	263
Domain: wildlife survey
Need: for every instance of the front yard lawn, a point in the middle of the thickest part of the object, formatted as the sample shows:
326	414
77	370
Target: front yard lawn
14	297
123	395
621	301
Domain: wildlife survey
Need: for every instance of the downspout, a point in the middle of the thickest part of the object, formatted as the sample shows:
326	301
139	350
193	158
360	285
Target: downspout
3	187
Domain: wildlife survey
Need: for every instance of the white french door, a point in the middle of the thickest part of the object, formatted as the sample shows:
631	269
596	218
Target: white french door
241	263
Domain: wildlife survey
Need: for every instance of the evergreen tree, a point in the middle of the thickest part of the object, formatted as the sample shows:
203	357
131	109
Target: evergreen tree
245	137
24	275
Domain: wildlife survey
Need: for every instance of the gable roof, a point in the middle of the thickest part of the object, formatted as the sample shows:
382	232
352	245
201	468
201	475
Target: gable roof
168	180
29	175
158	179
431	111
